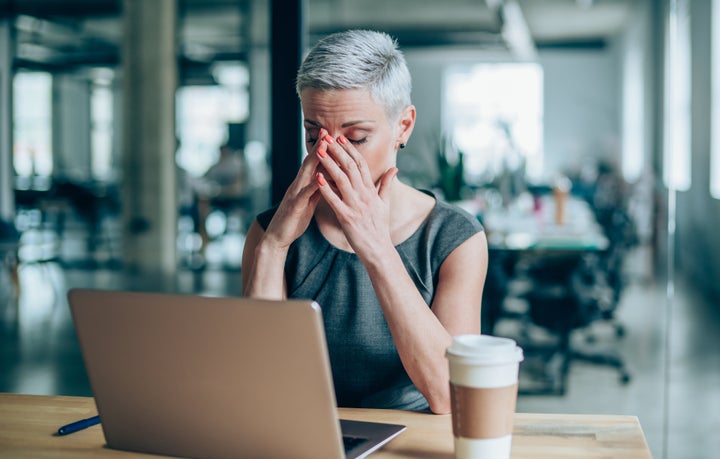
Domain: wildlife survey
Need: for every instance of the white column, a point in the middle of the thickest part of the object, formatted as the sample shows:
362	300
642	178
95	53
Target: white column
149	80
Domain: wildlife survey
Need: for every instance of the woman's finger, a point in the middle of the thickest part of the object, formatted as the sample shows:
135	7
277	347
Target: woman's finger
309	164
386	182
335	173
335	202
346	161
358	158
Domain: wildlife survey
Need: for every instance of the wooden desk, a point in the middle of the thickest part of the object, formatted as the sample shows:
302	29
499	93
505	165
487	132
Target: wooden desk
28	424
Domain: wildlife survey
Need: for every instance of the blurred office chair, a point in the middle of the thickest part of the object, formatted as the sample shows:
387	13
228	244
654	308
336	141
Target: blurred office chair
496	289
609	195
567	295
622	235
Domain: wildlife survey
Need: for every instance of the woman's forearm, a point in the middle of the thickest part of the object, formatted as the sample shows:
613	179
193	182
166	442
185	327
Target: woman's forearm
420	338
266	278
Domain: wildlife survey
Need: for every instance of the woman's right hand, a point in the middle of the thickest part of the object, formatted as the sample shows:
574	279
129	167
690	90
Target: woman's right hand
298	205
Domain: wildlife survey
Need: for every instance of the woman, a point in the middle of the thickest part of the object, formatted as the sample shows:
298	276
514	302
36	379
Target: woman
396	272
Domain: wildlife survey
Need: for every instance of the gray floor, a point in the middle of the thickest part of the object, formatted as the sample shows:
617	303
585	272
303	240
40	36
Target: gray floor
676	369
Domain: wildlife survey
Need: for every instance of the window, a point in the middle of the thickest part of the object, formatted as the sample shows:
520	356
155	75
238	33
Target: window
101	129
32	120
633	141
676	142
494	115
203	114
201	127
715	115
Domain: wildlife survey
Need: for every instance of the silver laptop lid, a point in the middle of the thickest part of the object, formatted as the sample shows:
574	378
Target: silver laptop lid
208	377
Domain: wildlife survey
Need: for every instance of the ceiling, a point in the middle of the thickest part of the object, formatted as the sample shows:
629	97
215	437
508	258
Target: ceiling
62	35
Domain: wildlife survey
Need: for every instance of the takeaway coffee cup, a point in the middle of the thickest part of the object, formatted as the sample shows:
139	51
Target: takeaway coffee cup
483	387
560	192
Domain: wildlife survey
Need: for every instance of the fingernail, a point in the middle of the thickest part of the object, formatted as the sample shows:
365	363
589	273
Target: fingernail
328	139
342	140
321	179
322	153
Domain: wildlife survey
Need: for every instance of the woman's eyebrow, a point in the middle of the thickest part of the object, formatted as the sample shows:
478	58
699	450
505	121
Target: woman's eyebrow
347	124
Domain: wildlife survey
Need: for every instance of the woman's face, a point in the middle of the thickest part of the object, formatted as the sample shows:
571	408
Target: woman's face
354	114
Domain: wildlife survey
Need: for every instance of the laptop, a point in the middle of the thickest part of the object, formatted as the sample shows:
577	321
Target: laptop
208	377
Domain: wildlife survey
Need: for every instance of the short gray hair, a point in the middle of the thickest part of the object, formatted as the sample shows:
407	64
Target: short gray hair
359	59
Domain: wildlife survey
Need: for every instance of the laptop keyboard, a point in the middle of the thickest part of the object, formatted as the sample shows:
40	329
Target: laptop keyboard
352	442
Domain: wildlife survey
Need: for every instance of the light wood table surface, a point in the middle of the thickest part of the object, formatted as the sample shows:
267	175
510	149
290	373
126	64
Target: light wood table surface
28	424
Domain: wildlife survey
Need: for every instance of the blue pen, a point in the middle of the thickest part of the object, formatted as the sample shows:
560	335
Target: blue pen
79	425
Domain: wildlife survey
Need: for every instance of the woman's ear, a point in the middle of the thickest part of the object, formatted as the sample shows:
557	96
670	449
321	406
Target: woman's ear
406	123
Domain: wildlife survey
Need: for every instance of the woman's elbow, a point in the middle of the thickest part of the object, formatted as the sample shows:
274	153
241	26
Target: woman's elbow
443	408
439	403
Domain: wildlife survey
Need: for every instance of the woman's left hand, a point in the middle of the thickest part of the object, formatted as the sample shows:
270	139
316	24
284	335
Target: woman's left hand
361	206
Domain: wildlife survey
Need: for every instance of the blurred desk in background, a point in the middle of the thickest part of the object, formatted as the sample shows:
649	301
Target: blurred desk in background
527	225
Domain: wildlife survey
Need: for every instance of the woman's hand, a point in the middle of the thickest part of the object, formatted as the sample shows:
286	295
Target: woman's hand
298	205
361	206
263	274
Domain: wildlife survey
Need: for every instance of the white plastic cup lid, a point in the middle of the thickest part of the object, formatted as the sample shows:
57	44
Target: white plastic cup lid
485	350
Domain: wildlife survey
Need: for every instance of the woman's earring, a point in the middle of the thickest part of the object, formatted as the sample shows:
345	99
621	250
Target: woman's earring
402	145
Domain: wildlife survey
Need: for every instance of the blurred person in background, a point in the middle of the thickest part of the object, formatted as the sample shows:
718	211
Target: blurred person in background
223	187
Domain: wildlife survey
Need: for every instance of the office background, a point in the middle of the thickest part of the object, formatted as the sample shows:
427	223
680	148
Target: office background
111	112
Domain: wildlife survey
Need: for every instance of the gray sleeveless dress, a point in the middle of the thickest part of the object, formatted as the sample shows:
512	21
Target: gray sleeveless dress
366	368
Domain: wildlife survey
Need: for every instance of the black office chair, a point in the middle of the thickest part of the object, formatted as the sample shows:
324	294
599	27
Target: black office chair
496	289
567	295
621	232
